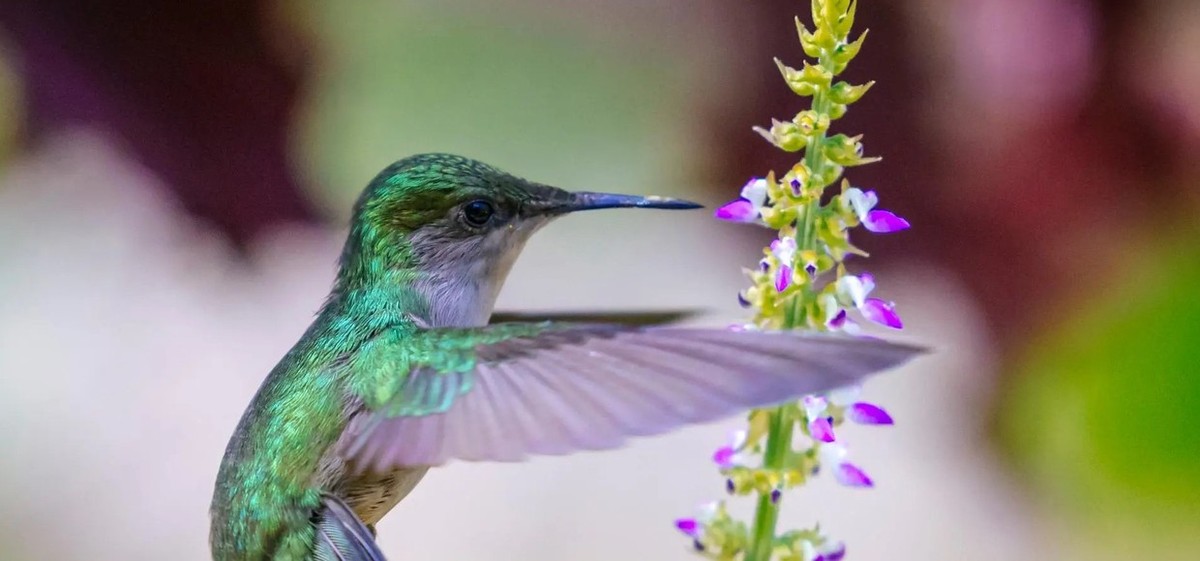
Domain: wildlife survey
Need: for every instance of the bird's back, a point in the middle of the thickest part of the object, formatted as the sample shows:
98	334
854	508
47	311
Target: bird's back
269	484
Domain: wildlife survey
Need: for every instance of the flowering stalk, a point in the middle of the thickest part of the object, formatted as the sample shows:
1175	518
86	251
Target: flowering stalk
802	282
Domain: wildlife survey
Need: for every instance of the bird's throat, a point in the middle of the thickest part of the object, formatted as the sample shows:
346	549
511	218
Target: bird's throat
463	293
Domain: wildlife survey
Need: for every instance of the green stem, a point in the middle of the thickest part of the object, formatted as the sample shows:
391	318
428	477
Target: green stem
779	444
779	433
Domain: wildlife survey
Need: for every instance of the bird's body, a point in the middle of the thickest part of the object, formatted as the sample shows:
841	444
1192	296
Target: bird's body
400	371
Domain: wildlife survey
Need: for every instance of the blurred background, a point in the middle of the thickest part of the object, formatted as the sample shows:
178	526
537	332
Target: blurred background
175	180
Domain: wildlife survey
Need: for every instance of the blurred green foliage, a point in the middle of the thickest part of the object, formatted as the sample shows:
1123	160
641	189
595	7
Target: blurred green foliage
398	78
1104	414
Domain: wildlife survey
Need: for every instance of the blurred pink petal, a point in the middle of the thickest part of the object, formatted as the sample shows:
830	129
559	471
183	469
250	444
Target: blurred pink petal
884	222
838	320
881	312
835	553
724	457
688	526
739	210
783	278
868	414
850	475
821	429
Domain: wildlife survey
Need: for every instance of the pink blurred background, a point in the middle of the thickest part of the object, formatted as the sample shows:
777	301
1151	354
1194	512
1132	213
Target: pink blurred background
175	180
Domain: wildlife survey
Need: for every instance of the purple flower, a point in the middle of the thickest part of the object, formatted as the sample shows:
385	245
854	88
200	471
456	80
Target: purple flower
853	290
819	425
868	414
850	475
882	312
784	250
838	321
694	527
747	208
884	222
832	553
739	210
836	318
860	412
821	429
783	279
729	456
688	526
844	472
723	457
878	221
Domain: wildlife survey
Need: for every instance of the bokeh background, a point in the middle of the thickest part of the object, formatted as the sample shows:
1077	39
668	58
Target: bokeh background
175	179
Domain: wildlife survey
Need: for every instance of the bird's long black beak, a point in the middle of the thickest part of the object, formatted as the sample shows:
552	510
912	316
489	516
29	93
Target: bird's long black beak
560	202
592	201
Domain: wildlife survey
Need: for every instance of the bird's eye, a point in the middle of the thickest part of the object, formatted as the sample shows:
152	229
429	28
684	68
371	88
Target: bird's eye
478	213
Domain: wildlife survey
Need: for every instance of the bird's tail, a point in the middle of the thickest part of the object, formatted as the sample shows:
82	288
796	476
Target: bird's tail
341	536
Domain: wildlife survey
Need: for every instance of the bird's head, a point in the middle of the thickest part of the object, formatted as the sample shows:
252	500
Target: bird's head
456	226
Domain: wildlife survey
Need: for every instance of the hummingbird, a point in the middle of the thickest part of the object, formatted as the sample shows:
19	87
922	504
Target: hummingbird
402	369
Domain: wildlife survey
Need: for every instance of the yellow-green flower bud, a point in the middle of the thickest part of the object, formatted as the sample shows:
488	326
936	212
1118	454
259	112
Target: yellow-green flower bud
843	93
845	53
783	134
808	41
810	123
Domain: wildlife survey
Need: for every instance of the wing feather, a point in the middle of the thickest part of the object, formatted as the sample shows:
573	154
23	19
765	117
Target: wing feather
556	389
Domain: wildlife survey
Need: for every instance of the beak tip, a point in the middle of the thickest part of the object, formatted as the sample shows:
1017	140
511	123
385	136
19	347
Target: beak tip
655	201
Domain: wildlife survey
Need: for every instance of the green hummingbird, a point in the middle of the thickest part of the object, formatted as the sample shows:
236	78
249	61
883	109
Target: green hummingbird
401	370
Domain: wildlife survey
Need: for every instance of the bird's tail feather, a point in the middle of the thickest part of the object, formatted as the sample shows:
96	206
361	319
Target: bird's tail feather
341	536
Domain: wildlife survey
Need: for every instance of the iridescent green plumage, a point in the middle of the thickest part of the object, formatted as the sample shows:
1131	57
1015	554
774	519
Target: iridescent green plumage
400	372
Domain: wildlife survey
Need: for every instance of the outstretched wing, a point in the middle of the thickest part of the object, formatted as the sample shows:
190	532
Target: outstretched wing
508	391
621	317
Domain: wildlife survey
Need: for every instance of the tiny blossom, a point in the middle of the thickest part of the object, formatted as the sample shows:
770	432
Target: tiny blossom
829	552
747	208
809	258
844	472
688	526
882	312
868	414
853	290
819	425
729	456
809	550
834	552
833	316
851	475
840	321
878	221
695	526
784	250
860	412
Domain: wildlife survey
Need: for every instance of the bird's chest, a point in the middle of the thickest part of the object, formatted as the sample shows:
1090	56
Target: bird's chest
372	495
